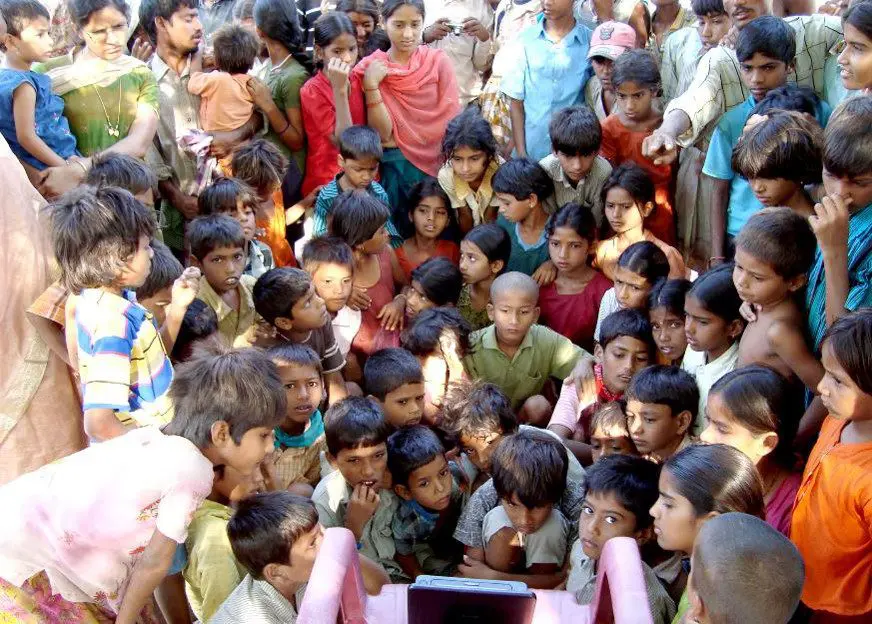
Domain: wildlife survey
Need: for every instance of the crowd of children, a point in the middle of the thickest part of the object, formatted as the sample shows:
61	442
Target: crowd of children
486	283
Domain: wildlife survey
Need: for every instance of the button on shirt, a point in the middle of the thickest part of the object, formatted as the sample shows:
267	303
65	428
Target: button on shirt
586	193
547	76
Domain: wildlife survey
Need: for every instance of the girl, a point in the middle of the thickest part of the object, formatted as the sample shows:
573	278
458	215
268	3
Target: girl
666	313
756	410
411	95
436	283
696	484
332	100
856	59
364	17
471	160
639	269
713	327
570	304
636	80
430	216
484	254
628	199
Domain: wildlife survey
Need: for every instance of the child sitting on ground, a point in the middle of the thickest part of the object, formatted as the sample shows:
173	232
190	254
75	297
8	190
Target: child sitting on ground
609	434
484	254
432	500
661	408
429	214
435	283
394	379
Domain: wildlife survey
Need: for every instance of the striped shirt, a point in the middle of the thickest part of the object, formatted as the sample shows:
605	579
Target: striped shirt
328	195
122	361
258	602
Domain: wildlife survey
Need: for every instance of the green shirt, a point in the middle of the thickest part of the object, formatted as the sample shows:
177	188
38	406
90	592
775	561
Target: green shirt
543	353
285	80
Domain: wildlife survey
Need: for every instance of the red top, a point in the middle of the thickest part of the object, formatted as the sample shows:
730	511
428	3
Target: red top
371	337
444	248
319	121
621	144
574	316
779	509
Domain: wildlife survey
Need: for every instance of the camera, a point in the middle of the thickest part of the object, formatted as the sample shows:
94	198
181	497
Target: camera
456	28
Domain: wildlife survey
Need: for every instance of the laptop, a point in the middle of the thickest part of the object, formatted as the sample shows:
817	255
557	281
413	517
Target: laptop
447	600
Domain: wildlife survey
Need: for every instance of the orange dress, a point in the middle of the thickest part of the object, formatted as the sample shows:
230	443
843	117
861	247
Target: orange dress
273	233
444	248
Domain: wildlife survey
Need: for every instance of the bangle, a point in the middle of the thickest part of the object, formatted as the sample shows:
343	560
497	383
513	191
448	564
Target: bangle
375	89
84	168
374	104
285	129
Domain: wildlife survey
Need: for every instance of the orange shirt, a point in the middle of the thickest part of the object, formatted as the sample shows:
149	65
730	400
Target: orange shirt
273	233
832	524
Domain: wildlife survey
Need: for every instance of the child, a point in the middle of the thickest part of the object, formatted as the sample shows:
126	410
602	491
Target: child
432	499
774	252
225	407
218	250
610	39
156	292
666	313
575	167
628	199
286	299
549	73
620	493
608	432
33	121
732	553
833	498
199	327
713	325
471	160
394	379
755	410
435	283
484	254
521	187
662	404
299	439
636	79
857	25
354	495
570	303
364	17
238	200
669	17
515	353
430	217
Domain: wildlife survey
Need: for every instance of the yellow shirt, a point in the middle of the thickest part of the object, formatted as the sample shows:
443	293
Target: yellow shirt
235	326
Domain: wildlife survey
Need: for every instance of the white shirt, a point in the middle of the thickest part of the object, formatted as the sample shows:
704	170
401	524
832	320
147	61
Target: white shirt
706	374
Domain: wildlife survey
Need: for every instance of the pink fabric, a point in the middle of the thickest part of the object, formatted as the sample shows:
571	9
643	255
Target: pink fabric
574	316
566	411
371	337
779	509
421	99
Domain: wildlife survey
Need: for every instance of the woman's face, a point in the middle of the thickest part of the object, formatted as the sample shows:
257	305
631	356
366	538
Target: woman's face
856	59
675	521
105	33
343	47
404	28
363	25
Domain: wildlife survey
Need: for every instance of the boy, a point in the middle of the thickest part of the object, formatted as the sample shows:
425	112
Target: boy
662	402
394	379
432	500
620	491
300	439
550	71
354	496
516	354
609	40
731	555
218	249
609	434
575	166
286	299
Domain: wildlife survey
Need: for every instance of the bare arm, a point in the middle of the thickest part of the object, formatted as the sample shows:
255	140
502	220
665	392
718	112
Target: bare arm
464	219
516	113
410	565
288	124
102	424
374	576
473	566
23	112
52	335
140	135
789	344
830	225
147	574
335	387
376	112
581	450
337	73
720	202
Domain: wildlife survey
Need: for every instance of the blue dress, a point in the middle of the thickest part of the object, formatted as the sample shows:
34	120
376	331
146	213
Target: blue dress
51	125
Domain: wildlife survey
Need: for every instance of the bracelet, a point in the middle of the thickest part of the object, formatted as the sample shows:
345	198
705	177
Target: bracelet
375	89
374	104
84	168
285	129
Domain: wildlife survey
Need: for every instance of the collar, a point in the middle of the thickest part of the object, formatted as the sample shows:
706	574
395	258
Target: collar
314	429
561	177
420	510
463	190
575	33
214	300
603	393
285	61
489	339
160	69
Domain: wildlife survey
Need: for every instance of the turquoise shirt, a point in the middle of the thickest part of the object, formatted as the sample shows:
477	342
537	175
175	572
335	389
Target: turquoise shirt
524	258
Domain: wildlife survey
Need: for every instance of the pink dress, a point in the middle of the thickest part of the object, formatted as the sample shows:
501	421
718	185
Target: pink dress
371	337
779	509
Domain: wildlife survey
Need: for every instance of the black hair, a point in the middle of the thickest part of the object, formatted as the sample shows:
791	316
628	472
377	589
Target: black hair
18	13
390	6
492	241
411	448
430	187
469	129
277	19
633	179
243	10
359	142
222	196
165	269
474	407
422	337
627	322
265	526
666	385
81	10
669	294
150	10
575	131
364	7
440	279
200	321
259	164
632	480
521	178
389	369
780	238
859	15
708	7
331	25
848	139
646	260
531	465
206	234
326	250
578	218
353	423
121	170
236	47
357	217
788	97
770	36
715	290
638	66
297	354
848	338
277	291
378	40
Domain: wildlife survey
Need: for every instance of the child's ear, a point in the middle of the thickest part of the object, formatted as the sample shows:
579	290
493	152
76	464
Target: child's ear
685	420
797	283
735	328
598	353
696	608
647	209
276	574
536	312
340	161
496	266
403	492
284	323
533	199
195	261
643	536
770	441
220	433
490	312
331	459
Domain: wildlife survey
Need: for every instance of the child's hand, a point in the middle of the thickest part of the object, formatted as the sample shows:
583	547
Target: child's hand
830	224
359	300
474	28
451	354
361	507
185	288
473	568
545	274
584	379
374	75
749	311
309	200
260	93
392	314
142	49
337	73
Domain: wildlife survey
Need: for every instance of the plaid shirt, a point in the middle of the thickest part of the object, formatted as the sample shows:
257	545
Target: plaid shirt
413	524
299	461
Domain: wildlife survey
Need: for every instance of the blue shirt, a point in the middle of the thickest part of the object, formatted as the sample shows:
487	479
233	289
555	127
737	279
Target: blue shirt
549	76
328	195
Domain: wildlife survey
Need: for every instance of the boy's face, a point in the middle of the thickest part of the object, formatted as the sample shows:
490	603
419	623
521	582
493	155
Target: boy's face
246	217
759	284
303	553
333	283
309	312
857	192
417	301
183	30
364	465
668	330
526	520
429	485
513	312
743	11
602	67
157	303
603	517
712	28
138	266
557	9
761	74
359	172
653	428
635	100
575	166
479	447
233	487
839	394
34	43
430	217
611	441
404	406
513	209
304	390
222	268
631	289
622	358
773	191
246	456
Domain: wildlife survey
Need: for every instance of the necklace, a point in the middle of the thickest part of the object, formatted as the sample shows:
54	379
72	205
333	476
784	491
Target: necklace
113	130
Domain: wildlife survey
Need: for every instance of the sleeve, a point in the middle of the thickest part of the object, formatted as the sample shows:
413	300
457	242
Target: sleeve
719	157
514	82
482	51
148	91
107	376
669	69
289	90
319	114
703	102
191	484
860	294
200	83
564	354
212	566
332	360
566	410
469	526
403	539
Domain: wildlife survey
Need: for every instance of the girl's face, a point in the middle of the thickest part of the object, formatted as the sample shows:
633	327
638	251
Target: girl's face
722	427
631	289
105	33
430	217
668	329
245	214
363	25
474	265
343	47
622	211
705	331
469	164
635	100
567	249
773	191
404	28
377	243
855	60
839	394
675	521
417	301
